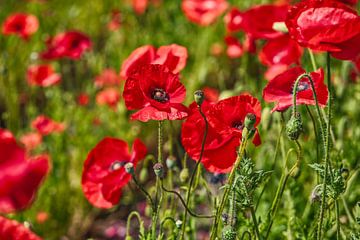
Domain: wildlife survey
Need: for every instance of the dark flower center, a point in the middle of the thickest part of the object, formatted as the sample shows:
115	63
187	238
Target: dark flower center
238	125
116	165
160	95
302	86
18	27
75	44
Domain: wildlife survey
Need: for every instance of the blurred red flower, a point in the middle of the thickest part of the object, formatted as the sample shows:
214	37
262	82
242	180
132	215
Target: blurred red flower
281	50
42	75
204	12
115	20
172	56
46	126
234	47
109	96
139	6
326	26
257	21
31	140
21	24
83	99
226	122
280	89
211	94
156	92
13	230
68	44
108	77
104	175
42	217
275	70
20	177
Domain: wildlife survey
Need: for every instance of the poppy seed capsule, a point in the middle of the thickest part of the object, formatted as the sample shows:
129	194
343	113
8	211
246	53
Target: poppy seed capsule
129	168
228	233
294	126
159	170
250	120
171	162
199	97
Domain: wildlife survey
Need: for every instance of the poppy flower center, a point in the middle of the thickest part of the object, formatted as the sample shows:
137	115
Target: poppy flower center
160	95
18	27
116	165
238	125
302	86
75	44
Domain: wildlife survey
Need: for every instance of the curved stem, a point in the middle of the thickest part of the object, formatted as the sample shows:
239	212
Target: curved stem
243	235
144	191
164	221
183	227
131	215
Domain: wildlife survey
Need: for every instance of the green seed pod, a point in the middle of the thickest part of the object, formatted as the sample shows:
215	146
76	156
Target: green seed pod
148	211
184	175
171	162
159	170
294	126
199	97
250	120
228	233
129	168
144	174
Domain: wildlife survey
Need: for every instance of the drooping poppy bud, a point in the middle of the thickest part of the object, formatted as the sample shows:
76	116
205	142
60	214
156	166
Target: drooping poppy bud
294	127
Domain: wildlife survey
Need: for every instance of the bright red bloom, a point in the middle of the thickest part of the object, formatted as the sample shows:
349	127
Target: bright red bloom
275	70
156	92
226	122
13	230
67	45
19	177
257	21
326	26
104	175
115	21
21	24
108	96
281	50
31	140
83	99
204	12
234	47
280	89
46	126
42	75
140	6
211	94
108	77
173	56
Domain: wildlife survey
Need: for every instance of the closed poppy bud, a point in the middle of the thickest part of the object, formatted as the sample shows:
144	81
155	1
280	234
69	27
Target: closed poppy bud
250	120
148	210
159	170
184	175
171	162
143	176
199	97
228	233
294	127
129	168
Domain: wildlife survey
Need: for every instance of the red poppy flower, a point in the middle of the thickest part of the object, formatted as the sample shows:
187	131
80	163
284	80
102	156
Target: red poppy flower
19	177
115	21
257	21
45	125
226	122
42	75
234	47
104	175
281	50
68	44
173	56
350	2
109	96
13	230
156	92
21	24
31	140
280	89
204	12
140	6
211	94
108	77
326	26
83	99
275	70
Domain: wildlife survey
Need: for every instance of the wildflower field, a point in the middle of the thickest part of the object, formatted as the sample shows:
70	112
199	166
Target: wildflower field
179	119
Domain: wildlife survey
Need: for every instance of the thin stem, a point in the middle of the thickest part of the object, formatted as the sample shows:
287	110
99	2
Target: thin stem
144	191
172	220
188	193
255	223
327	152
131	215
248	234
337	220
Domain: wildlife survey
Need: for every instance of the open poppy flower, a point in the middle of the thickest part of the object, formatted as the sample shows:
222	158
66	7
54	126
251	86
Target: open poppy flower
46	126
257	21
234	47
21	24
104	175
42	75
67	45
173	56
280	50
326	26
204	12
226	122
280	89
20	177
109	96
275	70
108	77
31	140
115	20
156	92
13	230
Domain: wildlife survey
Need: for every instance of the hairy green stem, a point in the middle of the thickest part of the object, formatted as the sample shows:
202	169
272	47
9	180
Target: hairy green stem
255	223
131	215
337	213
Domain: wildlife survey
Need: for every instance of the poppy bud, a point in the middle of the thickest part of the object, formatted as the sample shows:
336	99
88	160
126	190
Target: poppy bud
171	162
228	233
184	175
159	170
294	126
315	195
199	97
250	120
143	176
345	173
178	223
148	210
129	168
